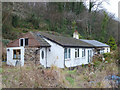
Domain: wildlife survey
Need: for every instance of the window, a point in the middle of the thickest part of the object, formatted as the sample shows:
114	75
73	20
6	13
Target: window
83	52
42	54
67	53
24	42
107	50
76	53
16	54
21	42
90	53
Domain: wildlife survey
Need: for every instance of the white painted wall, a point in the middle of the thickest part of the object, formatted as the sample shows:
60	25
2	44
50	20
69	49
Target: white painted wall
55	55
77	61
76	35
10	60
106	49
43	60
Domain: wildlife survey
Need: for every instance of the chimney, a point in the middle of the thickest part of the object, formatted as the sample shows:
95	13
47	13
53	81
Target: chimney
76	35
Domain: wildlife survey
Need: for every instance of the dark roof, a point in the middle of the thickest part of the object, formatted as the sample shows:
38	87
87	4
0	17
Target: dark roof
95	43
42	42
64	41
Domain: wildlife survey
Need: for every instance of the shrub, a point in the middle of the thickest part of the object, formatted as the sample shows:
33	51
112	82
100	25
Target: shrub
5	41
97	63
112	43
106	55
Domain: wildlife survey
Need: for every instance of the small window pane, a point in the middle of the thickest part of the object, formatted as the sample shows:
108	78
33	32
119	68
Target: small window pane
69	53
21	42
65	53
42	54
75	53
84	52
16	54
78	52
26	41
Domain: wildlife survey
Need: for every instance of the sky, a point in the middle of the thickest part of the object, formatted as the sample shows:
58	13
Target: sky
110	6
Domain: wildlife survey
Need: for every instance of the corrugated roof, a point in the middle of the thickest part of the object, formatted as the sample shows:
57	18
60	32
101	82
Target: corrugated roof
95	43
64	41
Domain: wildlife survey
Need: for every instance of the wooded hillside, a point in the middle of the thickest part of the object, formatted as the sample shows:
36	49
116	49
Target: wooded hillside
64	18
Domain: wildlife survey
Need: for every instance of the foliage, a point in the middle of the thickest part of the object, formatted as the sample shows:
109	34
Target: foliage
107	55
8	33
112	43
5	41
15	20
64	18
34	20
104	27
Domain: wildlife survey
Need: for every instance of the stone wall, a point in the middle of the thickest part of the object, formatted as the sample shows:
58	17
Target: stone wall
32	54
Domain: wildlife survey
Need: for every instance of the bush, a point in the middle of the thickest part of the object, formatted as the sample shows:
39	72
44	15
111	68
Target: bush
106	55
5	41
112	43
97	63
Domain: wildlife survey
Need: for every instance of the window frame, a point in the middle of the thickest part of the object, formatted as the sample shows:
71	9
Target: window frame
27	41
67	53
18	57
20	42
83	52
24	44
77	53
107	50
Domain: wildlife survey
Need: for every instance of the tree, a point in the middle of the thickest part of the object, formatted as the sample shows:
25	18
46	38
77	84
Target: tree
104	26
112	43
15	21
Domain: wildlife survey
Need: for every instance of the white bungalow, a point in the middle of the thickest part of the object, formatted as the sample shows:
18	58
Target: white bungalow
48	49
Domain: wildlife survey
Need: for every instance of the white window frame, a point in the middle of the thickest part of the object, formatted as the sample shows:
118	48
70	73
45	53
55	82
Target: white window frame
107	50
77	52
68	58
23	42
20	42
83	52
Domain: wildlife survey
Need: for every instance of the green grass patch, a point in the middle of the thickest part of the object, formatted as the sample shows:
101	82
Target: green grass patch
71	80
0	70
72	71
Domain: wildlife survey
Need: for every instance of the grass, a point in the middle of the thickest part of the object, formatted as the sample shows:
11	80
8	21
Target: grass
72	71
31	75
71	80
0	70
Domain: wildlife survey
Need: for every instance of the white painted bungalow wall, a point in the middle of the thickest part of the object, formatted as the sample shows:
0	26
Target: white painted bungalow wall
105	49
10	60
77	61
55	55
43	61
